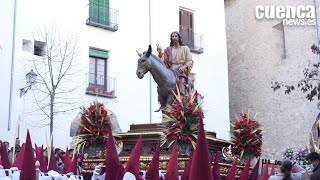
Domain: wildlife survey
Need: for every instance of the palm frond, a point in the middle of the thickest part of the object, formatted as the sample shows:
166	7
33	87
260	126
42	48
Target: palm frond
170	143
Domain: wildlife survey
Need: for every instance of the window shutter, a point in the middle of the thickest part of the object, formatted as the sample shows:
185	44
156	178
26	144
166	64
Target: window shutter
93	10
186	27
104	12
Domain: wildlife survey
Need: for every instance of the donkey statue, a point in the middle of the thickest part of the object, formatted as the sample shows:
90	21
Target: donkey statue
164	77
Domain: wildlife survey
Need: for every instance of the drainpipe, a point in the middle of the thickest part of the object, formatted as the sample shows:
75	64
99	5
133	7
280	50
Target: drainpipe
12	62
150	77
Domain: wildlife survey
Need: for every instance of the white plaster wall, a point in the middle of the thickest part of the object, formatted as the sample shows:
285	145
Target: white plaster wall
6	30
132	103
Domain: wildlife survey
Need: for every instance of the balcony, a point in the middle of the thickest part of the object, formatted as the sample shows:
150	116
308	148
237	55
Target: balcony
193	40
100	85
103	17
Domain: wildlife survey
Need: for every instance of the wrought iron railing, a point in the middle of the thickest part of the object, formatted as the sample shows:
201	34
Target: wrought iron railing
102	85
193	40
102	16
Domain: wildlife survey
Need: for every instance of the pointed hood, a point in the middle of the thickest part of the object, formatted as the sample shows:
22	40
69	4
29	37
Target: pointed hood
36	148
18	161
153	169
73	165
172	168
186	172
61	157
272	171
201	167
66	161
133	164
28	169
232	171
42	160
4	157
216	168
114	168
265	175
255	172
52	162
245	172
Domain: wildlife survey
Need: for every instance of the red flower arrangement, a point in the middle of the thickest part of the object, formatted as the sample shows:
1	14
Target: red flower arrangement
94	125
247	137
182	120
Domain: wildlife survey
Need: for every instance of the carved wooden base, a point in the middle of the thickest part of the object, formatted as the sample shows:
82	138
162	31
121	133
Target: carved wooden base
89	165
150	136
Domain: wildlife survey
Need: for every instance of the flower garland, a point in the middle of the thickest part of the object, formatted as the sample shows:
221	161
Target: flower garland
247	137
94	125
300	156
288	154
182	120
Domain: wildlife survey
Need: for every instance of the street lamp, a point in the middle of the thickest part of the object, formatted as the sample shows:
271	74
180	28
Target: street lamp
31	79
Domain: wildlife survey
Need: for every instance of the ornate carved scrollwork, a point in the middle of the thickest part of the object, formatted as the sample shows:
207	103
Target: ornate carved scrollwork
226	153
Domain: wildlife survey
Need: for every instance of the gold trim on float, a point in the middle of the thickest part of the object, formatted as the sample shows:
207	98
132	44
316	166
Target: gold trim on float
160	133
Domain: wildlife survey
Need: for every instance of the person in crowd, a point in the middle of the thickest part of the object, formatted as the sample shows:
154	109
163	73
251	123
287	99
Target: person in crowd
6	144
85	156
71	153
313	159
17	147
60	162
286	172
57	151
79	160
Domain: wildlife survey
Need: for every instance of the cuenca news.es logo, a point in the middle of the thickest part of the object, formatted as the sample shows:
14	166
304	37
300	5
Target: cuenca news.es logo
290	15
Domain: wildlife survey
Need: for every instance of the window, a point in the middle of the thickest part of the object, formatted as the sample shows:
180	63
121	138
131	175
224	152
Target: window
98	69
186	29
97	72
39	48
26	45
99	11
101	15
280	44
99	82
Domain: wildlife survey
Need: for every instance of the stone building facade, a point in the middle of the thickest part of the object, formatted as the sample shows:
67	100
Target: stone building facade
264	50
